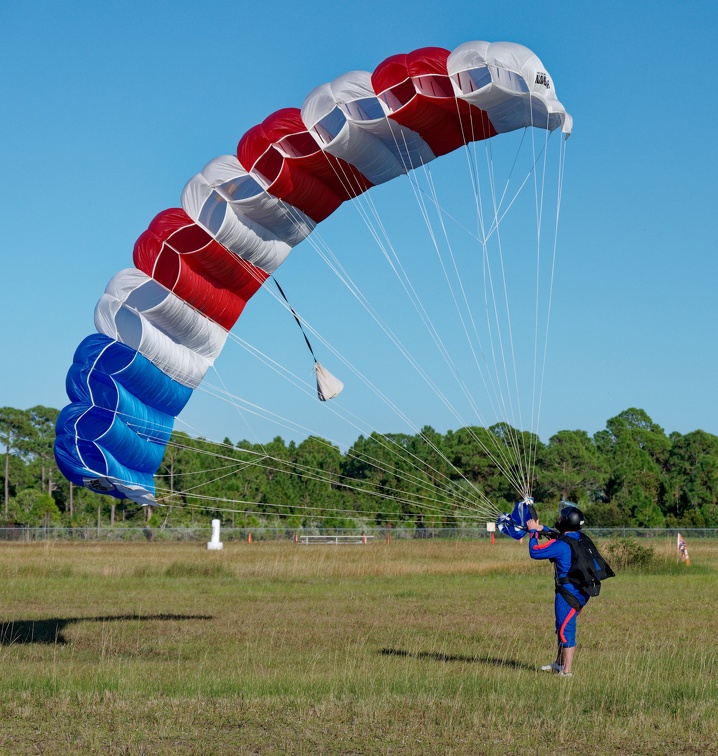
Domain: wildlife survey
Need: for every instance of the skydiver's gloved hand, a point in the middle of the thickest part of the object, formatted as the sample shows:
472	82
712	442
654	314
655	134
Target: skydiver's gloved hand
534	525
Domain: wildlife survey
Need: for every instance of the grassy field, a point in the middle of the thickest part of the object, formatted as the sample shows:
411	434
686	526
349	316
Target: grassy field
412	647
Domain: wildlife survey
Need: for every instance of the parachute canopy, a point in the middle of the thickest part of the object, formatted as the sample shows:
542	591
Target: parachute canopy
162	324
514	524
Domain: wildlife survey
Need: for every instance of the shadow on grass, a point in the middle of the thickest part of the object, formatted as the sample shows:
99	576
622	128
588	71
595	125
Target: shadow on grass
435	656
51	630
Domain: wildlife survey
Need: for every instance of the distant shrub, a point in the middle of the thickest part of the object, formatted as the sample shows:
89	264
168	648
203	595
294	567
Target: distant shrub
34	508
624	553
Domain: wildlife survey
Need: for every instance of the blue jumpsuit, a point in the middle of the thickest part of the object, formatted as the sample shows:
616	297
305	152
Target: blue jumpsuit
566	615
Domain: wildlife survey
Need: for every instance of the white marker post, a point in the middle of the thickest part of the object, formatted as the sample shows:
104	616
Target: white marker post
215	544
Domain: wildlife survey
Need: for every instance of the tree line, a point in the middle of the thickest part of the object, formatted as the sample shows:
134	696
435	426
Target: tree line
629	474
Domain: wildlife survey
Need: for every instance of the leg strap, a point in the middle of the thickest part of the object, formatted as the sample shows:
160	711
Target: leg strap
570	599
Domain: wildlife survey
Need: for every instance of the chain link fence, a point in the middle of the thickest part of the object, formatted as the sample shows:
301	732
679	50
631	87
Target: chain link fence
228	534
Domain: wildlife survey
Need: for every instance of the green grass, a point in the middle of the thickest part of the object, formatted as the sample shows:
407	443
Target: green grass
414	647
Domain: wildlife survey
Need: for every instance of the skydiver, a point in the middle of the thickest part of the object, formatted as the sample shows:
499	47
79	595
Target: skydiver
569	600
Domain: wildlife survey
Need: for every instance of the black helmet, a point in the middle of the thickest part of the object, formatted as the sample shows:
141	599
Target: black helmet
570	517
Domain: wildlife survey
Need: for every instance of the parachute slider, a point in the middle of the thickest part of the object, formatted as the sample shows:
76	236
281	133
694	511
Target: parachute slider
514	524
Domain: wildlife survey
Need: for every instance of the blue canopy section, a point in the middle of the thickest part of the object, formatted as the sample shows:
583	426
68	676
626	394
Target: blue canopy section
514	525
120	420
83	461
133	371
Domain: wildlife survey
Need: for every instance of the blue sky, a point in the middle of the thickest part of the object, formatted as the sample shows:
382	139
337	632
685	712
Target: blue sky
108	109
